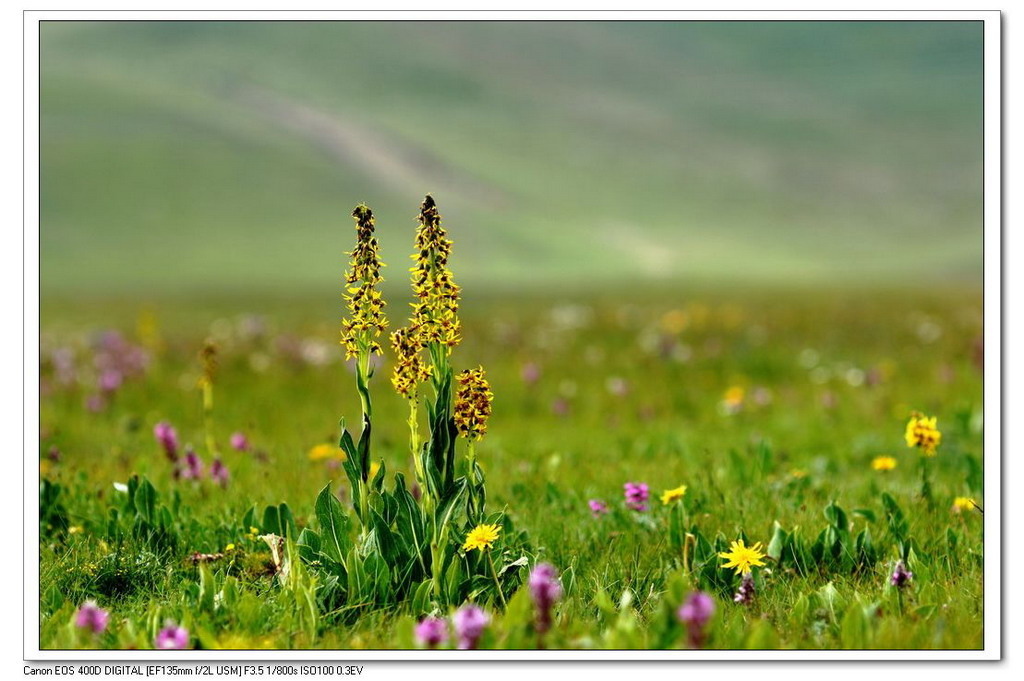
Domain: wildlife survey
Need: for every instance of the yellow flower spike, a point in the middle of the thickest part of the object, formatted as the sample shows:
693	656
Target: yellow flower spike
670	495
742	557
432	282
883	463
923	433
473	398
410	369
481	537
366	319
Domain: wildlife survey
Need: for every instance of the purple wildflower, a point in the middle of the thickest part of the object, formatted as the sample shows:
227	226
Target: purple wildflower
637	494
431	632
560	407
695	613
530	373
469	624
168	439
239	442
546	589
219	473
745	594
172	637
91	616
95	403
901	577
193	469
597	507
110	380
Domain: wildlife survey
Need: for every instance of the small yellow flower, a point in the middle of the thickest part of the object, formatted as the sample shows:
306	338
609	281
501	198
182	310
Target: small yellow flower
75	529
326	451
481	537
229	548
670	495
742	557
883	463
734	397
961	504
923	433
798	473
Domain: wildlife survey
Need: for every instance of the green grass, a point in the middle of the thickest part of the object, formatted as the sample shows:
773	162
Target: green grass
841	372
180	156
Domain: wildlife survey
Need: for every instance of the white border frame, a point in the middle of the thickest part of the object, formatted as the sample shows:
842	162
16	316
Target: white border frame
992	340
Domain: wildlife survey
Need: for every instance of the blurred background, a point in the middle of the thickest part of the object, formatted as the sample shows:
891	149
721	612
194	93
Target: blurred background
207	157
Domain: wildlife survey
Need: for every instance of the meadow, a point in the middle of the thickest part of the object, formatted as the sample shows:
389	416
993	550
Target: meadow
711	272
769	406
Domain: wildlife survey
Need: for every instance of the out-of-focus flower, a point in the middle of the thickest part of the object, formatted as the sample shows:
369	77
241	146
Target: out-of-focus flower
193	468
745	594
219	473
883	463
923	433
168	439
325	451
92	617
597	507
637	494
431	632
469	622
961	504
695	613
742	557
901	577
732	401
530	373
670	495
172	637
481	537
545	589
560	407
617	386
239	442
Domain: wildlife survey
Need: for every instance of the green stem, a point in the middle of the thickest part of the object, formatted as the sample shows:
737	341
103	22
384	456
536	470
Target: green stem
211	446
471	477
497	584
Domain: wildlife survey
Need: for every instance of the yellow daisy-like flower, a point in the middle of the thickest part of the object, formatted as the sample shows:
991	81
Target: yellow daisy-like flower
883	463
325	451
229	548
481	537
923	433
961	504
742	557
670	495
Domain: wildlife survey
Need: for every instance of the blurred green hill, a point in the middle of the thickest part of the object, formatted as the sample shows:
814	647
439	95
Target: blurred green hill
189	156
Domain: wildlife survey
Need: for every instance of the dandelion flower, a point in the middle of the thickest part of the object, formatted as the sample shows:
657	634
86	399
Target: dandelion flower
923	433
742	557
883	463
670	495
481	537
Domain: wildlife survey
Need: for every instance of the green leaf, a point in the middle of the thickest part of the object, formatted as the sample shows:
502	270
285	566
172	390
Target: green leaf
335	542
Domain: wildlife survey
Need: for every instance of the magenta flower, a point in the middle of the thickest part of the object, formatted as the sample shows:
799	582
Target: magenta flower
172	637
469	622
193	469
530	373
745	594
695	613
110	380
901	577
91	616
546	590
637	494
239	442
168	439
597	507
219	473
431	632
560	407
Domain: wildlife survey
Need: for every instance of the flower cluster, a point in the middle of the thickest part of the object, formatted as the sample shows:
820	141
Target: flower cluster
208	356
695	613
545	589
745	594
410	369
473	399
435	312
92	617
637	494
923	433
901	576
366	321
468	621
